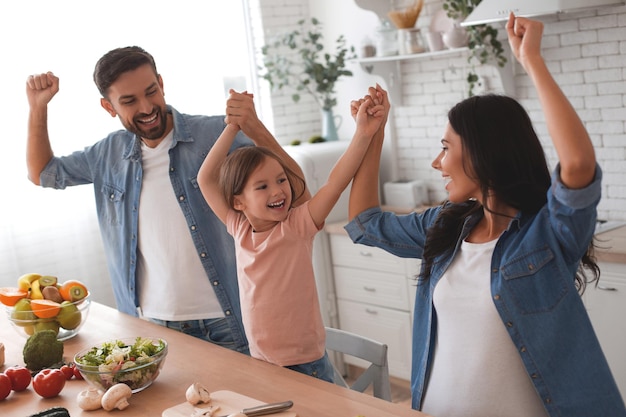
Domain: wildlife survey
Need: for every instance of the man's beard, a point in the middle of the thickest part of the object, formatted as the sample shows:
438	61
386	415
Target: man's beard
156	132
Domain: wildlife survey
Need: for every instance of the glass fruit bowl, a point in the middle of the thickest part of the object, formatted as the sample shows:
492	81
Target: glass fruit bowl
30	316
135	362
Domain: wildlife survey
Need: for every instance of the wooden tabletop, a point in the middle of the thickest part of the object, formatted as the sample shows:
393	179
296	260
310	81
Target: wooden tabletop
190	360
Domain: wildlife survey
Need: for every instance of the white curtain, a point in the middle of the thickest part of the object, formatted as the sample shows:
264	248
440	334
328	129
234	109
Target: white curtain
200	49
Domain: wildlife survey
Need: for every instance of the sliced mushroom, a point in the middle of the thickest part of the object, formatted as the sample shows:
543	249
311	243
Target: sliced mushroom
197	393
116	397
90	399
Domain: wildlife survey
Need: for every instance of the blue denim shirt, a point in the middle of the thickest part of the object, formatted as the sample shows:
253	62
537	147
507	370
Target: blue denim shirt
113	166
532	285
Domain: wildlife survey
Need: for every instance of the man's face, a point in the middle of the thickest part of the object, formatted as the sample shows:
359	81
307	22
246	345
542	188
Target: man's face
137	98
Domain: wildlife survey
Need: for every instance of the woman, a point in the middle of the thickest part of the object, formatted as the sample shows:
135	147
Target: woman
499	326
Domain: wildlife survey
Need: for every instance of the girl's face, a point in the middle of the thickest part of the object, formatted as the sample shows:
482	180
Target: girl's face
458	184
266	198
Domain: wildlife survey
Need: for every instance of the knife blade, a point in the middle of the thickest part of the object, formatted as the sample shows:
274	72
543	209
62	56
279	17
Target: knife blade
265	409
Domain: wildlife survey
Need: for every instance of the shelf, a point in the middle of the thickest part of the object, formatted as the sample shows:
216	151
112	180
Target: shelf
388	67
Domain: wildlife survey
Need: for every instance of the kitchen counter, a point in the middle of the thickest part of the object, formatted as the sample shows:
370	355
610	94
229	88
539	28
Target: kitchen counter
191	360
611	245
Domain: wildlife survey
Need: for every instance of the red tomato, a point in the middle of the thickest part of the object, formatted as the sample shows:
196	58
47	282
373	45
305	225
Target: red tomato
68	371
49	382
5	386
77	373
20	377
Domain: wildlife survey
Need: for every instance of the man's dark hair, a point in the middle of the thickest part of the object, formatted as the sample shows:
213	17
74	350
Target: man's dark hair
118	61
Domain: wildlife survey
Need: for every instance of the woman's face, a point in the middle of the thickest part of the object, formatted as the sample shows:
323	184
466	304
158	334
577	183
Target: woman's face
458	184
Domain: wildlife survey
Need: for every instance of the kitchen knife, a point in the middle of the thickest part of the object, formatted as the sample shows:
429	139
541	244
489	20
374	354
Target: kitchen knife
265	409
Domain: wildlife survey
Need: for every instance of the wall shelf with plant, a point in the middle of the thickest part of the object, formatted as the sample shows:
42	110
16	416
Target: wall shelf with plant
483	48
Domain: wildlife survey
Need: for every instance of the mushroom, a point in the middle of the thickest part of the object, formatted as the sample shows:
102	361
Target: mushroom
90	399
116	397
197	393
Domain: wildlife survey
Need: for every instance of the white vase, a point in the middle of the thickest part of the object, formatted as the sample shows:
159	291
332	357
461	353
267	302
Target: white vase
456	36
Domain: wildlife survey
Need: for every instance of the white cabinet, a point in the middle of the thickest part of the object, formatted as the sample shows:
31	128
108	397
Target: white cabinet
373	298
606	305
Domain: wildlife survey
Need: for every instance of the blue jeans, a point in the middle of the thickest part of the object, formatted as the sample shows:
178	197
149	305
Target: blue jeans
321	368
215	331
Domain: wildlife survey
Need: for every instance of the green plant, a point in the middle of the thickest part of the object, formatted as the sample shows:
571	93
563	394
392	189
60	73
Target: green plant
483	39
310	69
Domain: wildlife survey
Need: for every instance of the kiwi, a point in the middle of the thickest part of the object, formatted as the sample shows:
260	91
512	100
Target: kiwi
52	293
47	280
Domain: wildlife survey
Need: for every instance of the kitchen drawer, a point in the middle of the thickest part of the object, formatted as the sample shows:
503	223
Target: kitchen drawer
384	325
373	287
347	253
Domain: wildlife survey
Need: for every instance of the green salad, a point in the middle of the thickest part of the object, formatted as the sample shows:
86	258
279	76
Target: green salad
133	363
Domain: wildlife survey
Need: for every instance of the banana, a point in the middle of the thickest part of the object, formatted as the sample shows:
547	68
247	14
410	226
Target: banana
24	282
35	290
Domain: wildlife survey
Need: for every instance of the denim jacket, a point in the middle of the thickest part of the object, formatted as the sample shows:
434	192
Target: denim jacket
113	166
532	286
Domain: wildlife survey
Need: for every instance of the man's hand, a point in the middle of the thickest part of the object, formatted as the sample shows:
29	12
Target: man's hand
240	111
40	88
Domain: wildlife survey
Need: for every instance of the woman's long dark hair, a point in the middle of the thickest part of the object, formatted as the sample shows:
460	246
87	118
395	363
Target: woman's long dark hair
502	152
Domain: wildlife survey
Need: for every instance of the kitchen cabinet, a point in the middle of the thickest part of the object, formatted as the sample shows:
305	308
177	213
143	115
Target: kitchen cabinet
373	298
606	305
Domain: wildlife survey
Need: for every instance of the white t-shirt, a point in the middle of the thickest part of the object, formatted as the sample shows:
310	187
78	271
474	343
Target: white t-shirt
477	371
171	281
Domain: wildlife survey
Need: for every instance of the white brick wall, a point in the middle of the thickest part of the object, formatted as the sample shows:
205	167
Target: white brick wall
586	52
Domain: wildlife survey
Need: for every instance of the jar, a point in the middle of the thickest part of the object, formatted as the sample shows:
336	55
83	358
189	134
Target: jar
410	41
368	49
386	41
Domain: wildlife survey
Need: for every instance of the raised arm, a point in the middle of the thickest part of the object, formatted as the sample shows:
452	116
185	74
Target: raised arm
240	110
209	173
368	119
569	136
39	90
364	191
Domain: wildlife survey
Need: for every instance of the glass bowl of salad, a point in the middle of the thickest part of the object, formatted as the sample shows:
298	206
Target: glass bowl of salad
135	362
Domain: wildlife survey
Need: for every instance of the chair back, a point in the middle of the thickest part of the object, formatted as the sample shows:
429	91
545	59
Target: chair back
372	351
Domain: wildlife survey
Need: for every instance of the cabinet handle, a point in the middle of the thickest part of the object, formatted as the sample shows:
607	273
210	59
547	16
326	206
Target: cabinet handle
367	254
603	288
369	289
370	311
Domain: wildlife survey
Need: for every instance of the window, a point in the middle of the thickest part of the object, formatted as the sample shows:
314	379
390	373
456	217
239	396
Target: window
200	48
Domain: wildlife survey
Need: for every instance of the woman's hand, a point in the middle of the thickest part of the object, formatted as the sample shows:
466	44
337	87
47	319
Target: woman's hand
524	38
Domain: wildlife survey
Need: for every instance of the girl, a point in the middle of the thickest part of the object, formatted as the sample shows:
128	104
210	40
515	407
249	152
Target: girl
499	327
262	199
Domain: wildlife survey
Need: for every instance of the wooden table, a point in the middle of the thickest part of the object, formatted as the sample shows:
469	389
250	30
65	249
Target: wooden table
190	360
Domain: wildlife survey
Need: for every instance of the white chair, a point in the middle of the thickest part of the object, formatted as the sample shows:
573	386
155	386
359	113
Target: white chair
372	351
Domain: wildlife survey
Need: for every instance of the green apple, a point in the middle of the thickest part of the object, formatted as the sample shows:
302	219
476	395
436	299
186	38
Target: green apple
23	312
69	317
47	325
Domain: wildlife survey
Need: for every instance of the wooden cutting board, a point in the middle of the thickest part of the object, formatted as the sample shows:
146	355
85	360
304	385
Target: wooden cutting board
228	401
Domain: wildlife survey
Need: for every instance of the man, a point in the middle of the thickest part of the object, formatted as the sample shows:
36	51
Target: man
169	258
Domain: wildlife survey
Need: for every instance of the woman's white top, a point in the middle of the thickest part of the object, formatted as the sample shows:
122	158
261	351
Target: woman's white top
477	371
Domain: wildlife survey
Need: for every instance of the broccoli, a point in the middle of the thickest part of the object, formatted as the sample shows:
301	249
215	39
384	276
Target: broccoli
42	350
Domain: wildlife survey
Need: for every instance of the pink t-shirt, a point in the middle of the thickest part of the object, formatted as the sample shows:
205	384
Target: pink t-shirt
279	303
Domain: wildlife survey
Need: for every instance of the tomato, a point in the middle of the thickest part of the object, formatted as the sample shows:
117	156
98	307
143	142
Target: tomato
5	386
68	371
49	382
20	377
77	373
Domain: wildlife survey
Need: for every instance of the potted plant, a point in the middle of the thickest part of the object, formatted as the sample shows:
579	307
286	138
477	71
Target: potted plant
483	39
297	59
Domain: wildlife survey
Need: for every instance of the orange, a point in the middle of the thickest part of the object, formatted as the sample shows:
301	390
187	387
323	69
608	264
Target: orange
11	295
45	309
73	290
